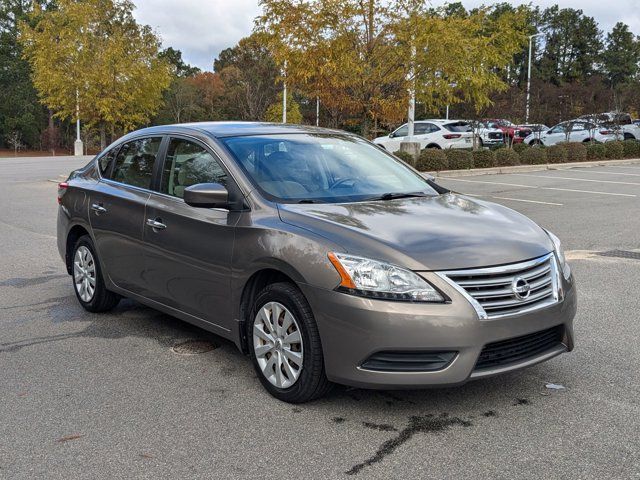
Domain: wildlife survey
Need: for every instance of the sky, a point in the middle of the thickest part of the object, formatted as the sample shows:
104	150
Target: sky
201	29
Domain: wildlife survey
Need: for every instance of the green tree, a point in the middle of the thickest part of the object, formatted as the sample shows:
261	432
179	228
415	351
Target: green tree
621	56
94	52
573	43
274	112
20	111
180	68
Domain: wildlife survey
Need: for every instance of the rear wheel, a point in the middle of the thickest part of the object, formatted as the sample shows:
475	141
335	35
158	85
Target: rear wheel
285	345
87	278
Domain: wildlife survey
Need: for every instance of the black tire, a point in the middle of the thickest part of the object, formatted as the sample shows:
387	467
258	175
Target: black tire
312	382
103	300
433	145
535	142
629	136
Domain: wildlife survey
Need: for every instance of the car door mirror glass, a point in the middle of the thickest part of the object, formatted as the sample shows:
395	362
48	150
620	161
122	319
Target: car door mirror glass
207	195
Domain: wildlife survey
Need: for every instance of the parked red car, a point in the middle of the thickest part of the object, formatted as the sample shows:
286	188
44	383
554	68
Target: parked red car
513	133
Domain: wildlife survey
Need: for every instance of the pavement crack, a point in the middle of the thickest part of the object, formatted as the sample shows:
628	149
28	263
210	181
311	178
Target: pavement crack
417	424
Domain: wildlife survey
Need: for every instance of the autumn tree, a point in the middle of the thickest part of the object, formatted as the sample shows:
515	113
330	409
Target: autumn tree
364	56
93	52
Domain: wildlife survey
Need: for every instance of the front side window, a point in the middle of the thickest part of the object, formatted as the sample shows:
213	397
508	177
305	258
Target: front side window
188	163
403	131
317	168
559	128
134	163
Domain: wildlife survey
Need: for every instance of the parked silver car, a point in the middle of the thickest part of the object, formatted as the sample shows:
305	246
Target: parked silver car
323	257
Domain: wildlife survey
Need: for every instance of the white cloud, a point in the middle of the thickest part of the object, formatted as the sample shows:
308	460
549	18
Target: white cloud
203	28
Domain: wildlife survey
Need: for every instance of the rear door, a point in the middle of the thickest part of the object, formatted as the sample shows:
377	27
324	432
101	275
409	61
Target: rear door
188	249
117	206
579	132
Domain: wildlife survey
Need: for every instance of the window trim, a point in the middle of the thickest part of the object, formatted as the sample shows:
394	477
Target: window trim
233	187
161	152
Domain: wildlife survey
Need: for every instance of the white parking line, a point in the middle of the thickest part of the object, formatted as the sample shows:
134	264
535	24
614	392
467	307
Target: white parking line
576	179
624	166
528	201
584	170
512	199
543	188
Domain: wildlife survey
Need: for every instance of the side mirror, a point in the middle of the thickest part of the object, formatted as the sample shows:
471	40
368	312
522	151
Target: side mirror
391	135
206	195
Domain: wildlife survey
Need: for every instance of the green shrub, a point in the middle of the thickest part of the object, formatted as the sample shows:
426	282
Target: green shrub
432	160
596	151
459	159
576	152
484	158
631	148
520	147
534	156
557	154
506	157
405	157
614	150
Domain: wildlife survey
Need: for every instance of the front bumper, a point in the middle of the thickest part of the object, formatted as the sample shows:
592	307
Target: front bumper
353	328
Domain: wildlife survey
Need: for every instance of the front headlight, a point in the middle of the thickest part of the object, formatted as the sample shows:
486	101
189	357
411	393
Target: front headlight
374	279
557	245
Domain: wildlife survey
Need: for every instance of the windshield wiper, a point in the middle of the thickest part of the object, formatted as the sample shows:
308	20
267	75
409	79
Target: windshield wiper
394	195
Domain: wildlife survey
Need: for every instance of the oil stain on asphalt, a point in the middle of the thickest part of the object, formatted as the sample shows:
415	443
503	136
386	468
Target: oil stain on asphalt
417	424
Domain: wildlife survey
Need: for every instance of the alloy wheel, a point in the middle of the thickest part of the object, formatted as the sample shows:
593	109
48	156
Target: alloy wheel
84	273
277	344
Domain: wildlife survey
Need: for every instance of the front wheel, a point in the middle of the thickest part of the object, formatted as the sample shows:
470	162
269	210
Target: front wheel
285	345
87	278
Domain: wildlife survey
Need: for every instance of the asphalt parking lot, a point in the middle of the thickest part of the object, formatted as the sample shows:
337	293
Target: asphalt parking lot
107	396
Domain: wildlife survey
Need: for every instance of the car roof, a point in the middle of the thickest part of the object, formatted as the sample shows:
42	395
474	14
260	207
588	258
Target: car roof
234	129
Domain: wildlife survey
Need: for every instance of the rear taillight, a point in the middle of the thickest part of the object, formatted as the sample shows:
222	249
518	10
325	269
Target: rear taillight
62	187
606	132
449	136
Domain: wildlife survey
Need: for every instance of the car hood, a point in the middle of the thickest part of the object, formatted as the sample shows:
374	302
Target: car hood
443	232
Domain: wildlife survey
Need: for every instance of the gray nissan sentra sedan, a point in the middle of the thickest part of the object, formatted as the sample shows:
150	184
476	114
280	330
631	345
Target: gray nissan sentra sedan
323	257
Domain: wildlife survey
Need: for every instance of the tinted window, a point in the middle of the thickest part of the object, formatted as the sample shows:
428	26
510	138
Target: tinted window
322	168
134	163
105	162
559	128
188	163
403	131
424	128
458	127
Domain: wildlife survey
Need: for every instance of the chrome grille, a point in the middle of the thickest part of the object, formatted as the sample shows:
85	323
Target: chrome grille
492	290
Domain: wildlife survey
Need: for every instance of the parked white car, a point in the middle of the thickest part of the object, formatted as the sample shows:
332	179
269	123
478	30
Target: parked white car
571	131
431	134
621	123
489	135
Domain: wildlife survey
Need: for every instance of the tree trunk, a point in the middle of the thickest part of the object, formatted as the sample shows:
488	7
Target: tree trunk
103	136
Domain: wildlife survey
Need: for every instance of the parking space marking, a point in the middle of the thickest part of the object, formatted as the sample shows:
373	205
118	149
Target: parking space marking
585	170
576	179
509	198
544	188
529	201
624	166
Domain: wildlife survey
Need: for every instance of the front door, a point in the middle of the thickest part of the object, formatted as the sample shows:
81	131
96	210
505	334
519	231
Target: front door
189	249
117	206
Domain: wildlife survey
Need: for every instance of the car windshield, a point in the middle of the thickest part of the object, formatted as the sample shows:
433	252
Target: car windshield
324	168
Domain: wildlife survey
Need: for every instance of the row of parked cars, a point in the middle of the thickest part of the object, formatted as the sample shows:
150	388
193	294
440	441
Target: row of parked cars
445	134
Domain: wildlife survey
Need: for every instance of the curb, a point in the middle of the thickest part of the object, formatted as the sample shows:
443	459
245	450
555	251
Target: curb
531	168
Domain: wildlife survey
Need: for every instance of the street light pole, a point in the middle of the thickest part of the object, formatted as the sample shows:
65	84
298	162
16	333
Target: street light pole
531	37
78	147
284	94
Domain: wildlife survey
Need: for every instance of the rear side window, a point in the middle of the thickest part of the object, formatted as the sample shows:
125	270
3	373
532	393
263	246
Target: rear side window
188	163
134	163
105	162
424	128
458	127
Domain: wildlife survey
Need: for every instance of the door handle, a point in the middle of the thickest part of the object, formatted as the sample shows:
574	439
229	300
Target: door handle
98	208
156	224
